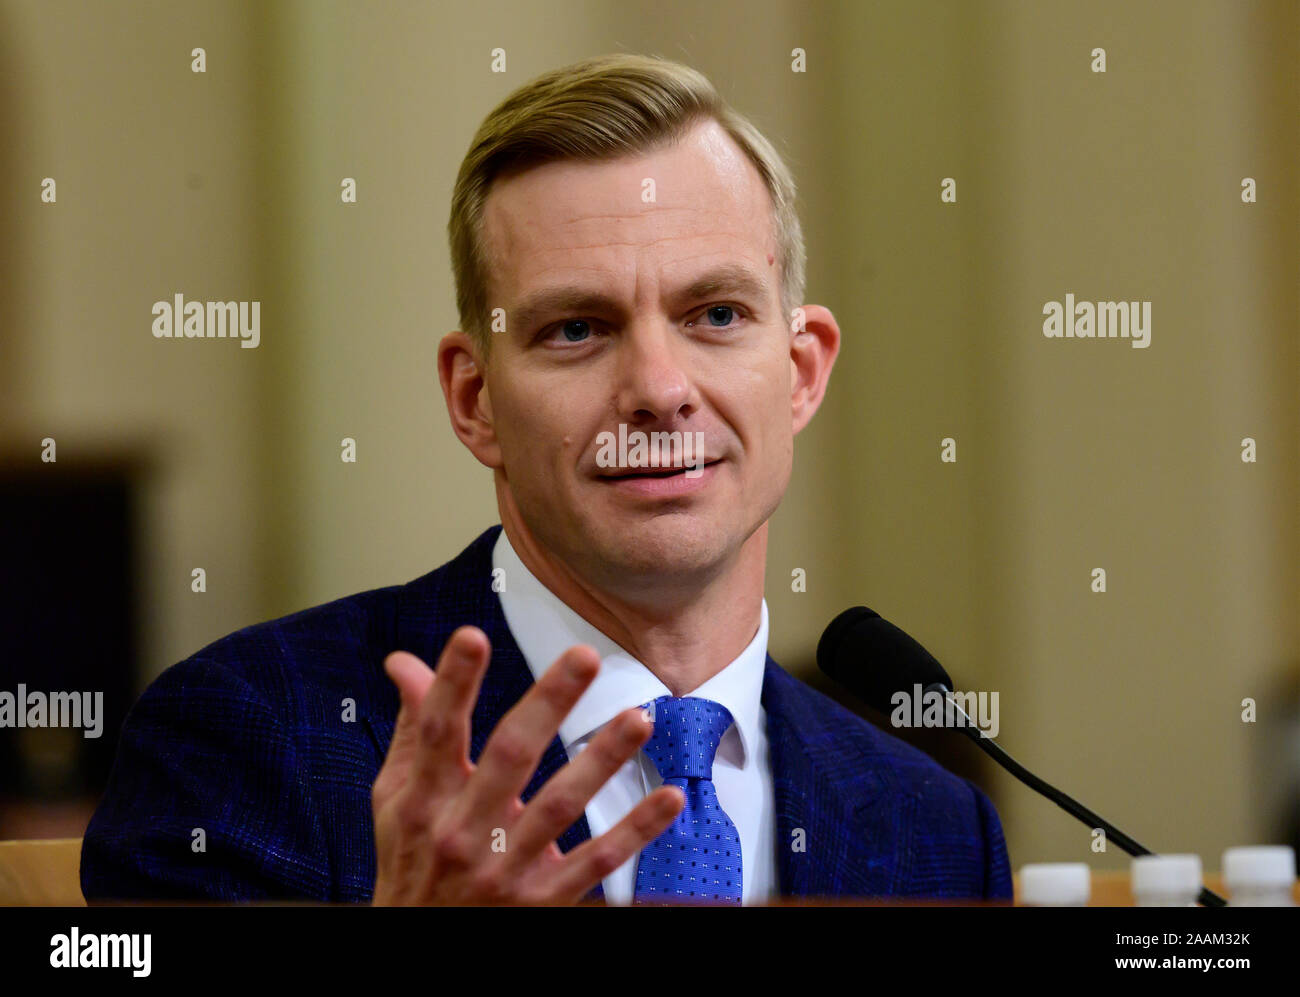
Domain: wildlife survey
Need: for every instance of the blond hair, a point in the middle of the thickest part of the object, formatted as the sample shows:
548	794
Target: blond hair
602	108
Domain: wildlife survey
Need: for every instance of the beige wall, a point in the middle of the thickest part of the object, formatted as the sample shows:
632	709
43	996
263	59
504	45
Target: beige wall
157	194
1071	455
1076	454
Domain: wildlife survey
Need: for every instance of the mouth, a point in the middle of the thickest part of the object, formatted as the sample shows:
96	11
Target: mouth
658	472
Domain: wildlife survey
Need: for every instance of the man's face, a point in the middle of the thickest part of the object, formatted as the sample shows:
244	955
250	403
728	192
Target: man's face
627	341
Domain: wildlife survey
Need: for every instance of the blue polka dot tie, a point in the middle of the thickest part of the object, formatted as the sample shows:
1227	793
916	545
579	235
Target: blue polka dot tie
697	859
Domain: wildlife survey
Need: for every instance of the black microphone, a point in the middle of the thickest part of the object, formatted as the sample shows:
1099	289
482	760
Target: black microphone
875	660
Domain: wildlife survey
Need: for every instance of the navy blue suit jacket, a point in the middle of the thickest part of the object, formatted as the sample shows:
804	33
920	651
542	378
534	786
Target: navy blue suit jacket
247	740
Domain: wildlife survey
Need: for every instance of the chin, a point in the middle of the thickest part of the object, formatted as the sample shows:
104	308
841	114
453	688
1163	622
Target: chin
675	543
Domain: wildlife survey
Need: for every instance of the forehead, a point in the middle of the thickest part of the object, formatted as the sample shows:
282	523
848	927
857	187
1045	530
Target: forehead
573	218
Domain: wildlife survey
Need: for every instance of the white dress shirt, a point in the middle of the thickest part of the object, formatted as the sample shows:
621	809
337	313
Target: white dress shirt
544	627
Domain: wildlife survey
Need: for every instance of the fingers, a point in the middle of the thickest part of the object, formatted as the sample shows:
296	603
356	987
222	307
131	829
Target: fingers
443	719
566	794
596	858
431	836
411	676
516	745
413	679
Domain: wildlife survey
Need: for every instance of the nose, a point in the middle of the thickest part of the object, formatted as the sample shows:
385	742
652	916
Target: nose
654	380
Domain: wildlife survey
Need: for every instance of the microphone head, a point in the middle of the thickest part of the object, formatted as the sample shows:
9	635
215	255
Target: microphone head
873	659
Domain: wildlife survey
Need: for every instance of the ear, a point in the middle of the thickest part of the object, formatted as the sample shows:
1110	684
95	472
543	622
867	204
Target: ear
814	344
460	372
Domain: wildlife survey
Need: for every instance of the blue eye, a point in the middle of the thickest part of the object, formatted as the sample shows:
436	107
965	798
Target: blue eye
725	309
719	317
576	335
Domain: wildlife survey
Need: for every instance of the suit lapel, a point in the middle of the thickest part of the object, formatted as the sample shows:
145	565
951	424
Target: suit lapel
830	840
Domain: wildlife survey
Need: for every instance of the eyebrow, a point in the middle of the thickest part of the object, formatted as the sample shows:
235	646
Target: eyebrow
727	278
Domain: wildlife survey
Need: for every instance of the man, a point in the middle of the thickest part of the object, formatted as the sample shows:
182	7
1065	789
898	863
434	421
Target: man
603	719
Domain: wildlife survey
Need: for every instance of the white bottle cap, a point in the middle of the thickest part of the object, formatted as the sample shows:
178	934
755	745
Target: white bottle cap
1256	866
1055	884
1166	875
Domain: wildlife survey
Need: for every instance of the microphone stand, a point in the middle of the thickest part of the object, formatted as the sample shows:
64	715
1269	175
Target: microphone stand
990	747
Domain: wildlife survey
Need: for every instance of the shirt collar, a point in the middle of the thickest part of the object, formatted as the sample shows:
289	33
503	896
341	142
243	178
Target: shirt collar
545	627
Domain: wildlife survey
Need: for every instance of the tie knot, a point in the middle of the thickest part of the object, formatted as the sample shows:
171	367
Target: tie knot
686	736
